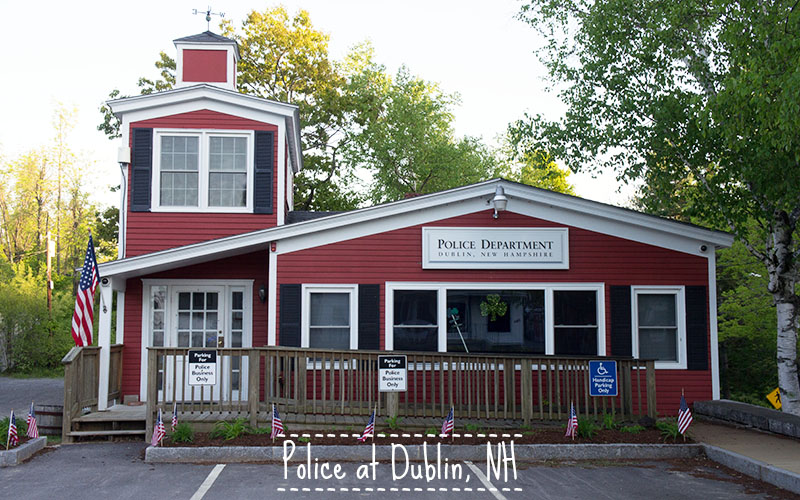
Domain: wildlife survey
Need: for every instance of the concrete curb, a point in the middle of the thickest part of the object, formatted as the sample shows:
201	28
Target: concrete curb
522	452
21	453
775	476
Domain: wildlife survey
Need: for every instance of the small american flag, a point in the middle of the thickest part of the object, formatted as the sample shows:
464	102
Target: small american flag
684	416
83	317
158	432
12	440
33	428
369	430
572	423
448	424
277	425
174	415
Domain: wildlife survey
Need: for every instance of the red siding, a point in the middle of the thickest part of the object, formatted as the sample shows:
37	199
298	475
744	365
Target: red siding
153	231
250	266
205	65
594	257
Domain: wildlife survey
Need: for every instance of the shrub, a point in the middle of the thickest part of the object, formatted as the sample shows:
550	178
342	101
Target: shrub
586	428
609	423
669	429
394	422
432	430
183	433
475	428
633	429
22	429
229	430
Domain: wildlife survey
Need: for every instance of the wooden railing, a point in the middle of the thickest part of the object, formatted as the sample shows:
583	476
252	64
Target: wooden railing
81	374
325	381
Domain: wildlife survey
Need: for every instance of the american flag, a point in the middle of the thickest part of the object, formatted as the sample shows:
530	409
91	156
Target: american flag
684	416
158	432
572	423
33	428
83	316
12	440
277	425
174	415
448	424
369	430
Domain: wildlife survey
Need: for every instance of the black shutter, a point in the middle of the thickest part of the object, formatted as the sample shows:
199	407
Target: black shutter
696	328
142	169
369	330
289	334
620	320
264	159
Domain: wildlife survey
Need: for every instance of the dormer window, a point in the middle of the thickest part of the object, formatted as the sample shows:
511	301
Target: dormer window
203	170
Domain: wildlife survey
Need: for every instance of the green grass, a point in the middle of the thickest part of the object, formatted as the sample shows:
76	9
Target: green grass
37	372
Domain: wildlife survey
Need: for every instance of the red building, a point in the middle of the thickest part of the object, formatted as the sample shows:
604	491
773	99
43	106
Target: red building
212	254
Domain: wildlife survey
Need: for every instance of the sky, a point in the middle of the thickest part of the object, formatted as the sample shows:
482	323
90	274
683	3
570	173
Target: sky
72	54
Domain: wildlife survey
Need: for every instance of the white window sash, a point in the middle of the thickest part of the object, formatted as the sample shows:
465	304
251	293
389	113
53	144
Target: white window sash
680	323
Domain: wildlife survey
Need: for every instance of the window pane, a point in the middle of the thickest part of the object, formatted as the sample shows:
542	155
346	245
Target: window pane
158	297
236	339
330	309
658	343
520	329
158	338
211	301
197	321
211	321
183	320
574	307
329	338
575	341
158	320
656	309
416	339
183	339
238	299
197	339
415	307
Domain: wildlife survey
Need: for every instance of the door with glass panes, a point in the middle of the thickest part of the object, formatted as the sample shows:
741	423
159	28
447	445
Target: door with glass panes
208	317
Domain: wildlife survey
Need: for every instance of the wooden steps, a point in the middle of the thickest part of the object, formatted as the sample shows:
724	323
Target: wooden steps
124	432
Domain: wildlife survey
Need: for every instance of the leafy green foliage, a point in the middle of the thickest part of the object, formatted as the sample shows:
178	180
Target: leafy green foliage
609	422
669	429
493	307
229	430
632	429
432	431
699	99
394	422
586	428
183	433
22	428
304	439
473	428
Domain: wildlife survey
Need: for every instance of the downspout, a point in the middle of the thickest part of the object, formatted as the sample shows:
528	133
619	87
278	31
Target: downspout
124	159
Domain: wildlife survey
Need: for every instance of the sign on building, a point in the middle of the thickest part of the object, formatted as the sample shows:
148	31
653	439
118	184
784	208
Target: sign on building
202	368
392	373
602	378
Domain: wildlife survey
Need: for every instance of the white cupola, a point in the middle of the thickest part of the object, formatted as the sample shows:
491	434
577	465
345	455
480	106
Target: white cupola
206	58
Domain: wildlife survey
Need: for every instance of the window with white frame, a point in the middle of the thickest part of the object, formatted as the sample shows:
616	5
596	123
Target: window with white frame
329	316
659	326
203	170
549	318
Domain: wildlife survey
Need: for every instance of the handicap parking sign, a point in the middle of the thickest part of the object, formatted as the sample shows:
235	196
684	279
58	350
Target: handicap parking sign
602	378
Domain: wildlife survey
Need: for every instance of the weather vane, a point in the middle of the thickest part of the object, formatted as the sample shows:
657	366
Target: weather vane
208	14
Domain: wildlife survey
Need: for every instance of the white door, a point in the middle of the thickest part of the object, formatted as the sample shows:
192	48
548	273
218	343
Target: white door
209	317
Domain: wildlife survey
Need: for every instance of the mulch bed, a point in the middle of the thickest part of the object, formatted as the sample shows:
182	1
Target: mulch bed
536	436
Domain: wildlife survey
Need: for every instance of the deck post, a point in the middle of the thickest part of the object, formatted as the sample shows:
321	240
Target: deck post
392	404
651	389
526	391
152	391
104	341
253	376
69	392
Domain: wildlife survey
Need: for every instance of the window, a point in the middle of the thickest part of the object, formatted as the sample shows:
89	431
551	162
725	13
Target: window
415	320
520	329
203	170
575	322
329	316
660	326
545	318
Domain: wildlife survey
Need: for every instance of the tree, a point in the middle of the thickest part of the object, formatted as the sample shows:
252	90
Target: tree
706	90
406	139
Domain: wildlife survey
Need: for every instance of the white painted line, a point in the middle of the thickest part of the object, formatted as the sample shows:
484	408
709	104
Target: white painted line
517	435
406	435
420	435
331	435
467	435
483	479
281	489
506	435
481	435
492	435
319	435
294	435
212	476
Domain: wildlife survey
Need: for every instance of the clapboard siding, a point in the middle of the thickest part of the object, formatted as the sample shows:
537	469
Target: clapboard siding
153	231
251	266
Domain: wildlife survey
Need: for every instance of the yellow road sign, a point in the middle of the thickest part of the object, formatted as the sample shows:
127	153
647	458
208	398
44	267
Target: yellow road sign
774	397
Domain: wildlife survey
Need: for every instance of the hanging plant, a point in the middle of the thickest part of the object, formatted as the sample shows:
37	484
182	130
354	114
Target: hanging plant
493	307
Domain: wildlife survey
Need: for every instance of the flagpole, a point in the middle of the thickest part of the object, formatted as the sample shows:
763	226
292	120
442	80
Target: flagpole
374	414
682	433
8	435
272	424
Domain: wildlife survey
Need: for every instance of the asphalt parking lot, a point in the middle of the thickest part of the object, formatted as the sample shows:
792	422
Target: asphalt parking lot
117	470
